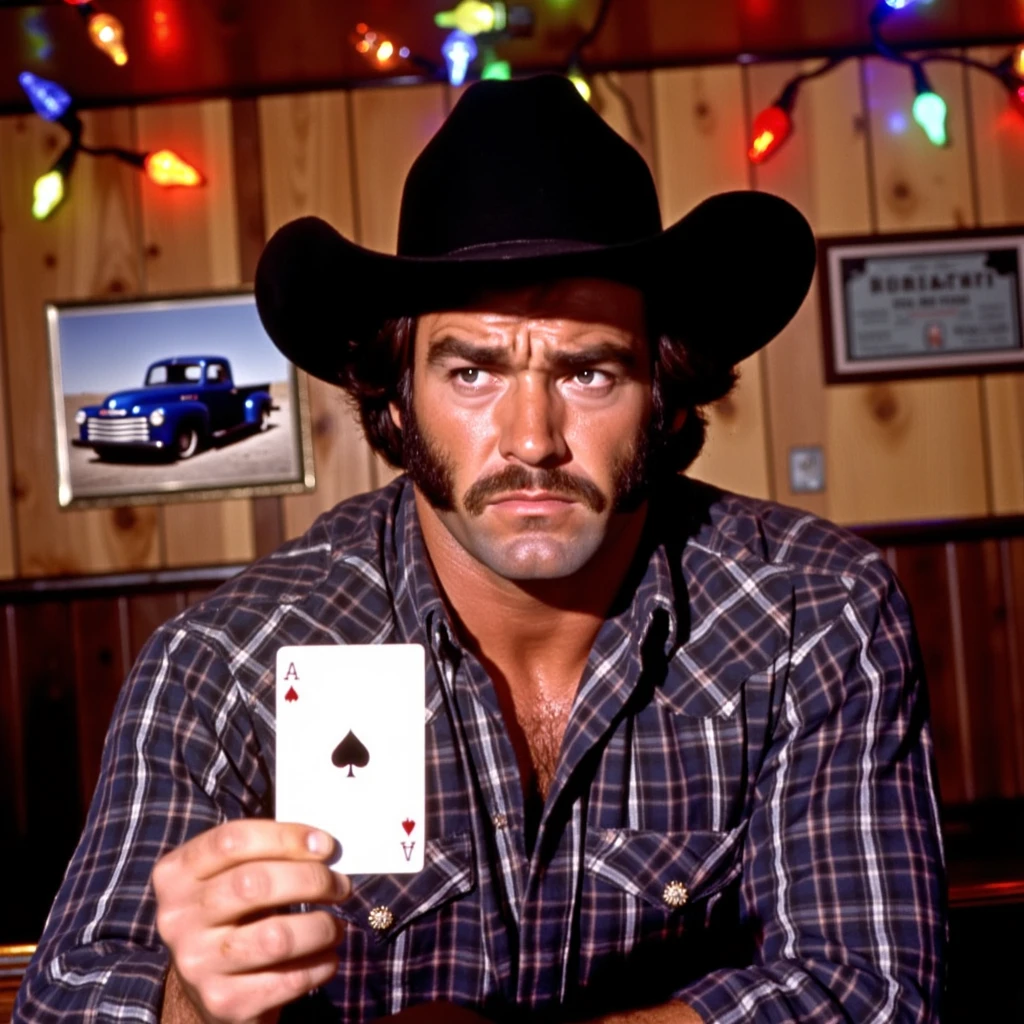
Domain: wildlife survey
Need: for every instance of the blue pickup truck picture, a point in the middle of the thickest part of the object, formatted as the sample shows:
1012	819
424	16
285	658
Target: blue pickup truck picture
185	404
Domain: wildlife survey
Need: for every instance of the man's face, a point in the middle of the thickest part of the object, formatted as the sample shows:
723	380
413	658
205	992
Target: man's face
528	426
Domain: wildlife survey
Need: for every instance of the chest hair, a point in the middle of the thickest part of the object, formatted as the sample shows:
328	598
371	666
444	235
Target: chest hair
543	720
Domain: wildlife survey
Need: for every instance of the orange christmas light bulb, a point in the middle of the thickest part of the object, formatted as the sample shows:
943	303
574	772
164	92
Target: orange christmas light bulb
167	169
107	34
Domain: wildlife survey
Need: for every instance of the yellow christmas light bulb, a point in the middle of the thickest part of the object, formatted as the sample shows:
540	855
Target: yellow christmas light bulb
473	17
1018	61
582	85
107	34
47	194
385	51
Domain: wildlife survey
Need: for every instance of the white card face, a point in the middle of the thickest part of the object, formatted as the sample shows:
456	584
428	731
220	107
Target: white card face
351	751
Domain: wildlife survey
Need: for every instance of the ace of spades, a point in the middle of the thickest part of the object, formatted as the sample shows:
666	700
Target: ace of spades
350	751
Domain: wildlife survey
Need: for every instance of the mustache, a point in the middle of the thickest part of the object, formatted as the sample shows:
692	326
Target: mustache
519	478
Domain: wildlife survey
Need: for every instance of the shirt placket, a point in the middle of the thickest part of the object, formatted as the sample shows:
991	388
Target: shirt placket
551	905
496	799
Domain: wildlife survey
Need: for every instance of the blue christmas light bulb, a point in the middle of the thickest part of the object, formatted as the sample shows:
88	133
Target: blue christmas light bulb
459	51
50	101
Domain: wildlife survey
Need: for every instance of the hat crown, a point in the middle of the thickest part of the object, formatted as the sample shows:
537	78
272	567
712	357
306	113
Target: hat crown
525	162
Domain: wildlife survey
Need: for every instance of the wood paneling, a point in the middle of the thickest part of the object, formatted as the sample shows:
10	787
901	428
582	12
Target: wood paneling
919	444
190	242
389	128
923	571
307	162
97	628
988	671
856	163
624	99
700	122
89	249
823	170
998	139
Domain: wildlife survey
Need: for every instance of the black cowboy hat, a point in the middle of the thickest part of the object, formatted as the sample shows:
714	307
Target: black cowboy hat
524	182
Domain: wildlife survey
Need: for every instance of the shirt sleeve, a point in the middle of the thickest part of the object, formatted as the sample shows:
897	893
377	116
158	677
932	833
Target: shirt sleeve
180	757
843	873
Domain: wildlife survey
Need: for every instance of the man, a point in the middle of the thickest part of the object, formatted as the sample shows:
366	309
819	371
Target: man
677	762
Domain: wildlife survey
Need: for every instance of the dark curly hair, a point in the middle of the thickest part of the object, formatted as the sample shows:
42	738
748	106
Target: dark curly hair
377	373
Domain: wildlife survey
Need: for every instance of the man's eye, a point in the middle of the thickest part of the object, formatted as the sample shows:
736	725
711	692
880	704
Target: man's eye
471	375
591	378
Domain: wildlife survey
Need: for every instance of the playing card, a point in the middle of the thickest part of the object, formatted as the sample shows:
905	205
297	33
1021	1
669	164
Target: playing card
350	751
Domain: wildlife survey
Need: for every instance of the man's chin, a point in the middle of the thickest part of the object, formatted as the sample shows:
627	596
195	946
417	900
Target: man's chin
533	556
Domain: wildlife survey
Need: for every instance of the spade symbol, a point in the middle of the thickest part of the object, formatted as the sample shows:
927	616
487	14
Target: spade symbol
291	694
350	751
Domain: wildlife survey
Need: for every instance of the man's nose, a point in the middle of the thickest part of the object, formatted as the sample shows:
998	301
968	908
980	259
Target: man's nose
531	422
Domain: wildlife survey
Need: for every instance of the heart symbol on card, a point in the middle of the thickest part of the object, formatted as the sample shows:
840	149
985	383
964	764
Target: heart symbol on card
408	825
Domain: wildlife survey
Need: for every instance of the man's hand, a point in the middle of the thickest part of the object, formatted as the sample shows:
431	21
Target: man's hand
235	958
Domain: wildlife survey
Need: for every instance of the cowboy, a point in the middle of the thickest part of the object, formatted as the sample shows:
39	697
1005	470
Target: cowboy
677	759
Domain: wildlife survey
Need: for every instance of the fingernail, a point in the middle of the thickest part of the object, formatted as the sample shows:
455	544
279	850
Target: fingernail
319	843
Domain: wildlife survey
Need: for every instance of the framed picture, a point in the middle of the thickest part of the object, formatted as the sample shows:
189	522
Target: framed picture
173	399
921	305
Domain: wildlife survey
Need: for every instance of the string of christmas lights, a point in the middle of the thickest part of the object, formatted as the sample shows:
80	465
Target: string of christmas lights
53	103
774	125
475	28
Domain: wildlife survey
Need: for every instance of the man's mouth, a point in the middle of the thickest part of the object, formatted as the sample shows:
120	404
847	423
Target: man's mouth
532	502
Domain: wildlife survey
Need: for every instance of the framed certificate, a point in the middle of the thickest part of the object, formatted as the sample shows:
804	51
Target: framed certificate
921	305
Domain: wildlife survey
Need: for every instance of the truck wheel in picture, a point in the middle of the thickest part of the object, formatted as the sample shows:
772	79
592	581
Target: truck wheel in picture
186	441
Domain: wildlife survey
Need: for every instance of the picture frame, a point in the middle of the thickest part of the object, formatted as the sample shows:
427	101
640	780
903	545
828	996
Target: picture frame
922	304
173	398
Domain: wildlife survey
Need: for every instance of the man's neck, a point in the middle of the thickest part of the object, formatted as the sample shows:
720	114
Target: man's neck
537	630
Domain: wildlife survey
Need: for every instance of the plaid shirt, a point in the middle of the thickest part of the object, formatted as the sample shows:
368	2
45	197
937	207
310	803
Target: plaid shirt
743	816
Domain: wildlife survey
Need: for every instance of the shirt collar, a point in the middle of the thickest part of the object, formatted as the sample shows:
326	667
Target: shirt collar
650	586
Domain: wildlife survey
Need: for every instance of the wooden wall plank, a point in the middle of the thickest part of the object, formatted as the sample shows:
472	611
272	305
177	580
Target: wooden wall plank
8	552
97	628
46	677
190	239
823	171
998	138
389	128
920	450
923	570
988	670
87	249
625	100
700	145
307	170
144	613
1012	556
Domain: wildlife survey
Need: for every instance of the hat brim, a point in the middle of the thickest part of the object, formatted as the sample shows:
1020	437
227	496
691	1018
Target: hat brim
726	278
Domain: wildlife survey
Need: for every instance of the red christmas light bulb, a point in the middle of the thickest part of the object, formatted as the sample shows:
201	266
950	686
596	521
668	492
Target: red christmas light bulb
771	129
1017	99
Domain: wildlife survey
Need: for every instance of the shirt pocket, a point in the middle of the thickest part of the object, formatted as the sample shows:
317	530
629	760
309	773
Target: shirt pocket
383	905
644	919
666	870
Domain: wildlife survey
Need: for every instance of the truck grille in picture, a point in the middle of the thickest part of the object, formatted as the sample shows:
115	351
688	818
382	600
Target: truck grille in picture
134	428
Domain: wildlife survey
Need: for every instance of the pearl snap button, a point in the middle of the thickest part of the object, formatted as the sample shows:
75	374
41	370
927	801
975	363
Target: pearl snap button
675	894
381	919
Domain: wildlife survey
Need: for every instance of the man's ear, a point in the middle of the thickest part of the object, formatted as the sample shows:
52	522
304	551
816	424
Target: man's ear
679	420
396	414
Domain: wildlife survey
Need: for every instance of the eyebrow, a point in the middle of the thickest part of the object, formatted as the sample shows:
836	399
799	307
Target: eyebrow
498	355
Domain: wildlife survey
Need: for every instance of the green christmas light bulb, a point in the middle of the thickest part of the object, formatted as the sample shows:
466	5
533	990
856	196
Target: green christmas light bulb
930	114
